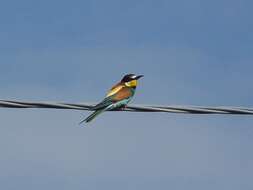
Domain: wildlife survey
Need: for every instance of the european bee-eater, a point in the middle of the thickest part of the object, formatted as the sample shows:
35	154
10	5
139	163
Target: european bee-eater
118	97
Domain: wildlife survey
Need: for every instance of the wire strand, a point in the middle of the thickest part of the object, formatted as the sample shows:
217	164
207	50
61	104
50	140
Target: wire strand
132	108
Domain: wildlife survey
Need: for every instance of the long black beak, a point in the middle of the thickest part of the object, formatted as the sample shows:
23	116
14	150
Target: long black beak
138	77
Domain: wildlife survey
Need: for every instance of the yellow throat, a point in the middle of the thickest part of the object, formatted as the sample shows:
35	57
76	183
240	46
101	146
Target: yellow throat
132	83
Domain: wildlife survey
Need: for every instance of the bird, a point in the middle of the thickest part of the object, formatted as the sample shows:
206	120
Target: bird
117	98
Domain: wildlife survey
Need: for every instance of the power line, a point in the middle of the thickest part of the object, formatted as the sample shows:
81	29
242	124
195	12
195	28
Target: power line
133	108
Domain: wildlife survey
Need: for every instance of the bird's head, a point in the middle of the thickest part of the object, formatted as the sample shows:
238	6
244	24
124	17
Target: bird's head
130	80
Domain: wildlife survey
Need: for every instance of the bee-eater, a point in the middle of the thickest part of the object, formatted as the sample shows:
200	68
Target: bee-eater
118	97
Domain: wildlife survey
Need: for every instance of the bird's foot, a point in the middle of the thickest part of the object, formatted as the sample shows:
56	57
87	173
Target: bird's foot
122	108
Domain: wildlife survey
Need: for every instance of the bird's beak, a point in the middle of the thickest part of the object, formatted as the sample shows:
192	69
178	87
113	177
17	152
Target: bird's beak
138	77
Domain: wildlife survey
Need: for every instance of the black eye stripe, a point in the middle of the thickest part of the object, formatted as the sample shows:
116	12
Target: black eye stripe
128	78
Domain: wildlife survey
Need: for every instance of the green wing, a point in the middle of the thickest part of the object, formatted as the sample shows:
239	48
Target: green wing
106	102
122	94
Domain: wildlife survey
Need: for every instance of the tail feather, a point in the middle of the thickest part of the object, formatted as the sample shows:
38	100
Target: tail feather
92	116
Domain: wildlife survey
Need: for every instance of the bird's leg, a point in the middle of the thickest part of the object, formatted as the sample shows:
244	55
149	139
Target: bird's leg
122	108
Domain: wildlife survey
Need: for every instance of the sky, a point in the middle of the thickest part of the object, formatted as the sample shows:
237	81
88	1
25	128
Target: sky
194	52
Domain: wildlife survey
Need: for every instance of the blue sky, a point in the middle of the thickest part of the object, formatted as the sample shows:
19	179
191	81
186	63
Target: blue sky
191	52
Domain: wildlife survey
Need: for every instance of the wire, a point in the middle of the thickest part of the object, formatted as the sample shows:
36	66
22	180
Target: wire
132	108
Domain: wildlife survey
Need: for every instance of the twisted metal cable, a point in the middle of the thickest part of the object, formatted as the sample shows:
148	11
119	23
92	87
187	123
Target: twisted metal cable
132	108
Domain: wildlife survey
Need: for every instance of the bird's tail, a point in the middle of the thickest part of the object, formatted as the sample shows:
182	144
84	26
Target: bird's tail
92	116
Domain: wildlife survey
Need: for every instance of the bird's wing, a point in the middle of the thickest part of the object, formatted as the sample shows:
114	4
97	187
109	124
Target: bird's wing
115	89
106	102
121	94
